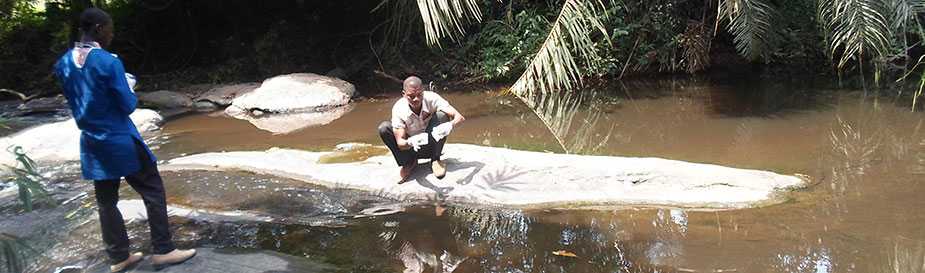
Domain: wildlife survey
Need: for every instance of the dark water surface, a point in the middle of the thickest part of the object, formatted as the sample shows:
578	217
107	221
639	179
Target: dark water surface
865	157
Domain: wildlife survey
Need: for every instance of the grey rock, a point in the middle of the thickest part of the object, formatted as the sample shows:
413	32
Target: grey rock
209	260
164	99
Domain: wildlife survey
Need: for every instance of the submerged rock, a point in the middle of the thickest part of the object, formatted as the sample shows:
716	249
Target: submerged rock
60	141
497	176
287	103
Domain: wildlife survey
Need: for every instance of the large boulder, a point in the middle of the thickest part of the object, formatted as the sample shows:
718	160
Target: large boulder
164	99
497	176
222	96
60	141
307	100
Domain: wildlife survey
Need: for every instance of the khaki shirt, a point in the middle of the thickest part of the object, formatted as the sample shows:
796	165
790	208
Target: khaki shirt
404	118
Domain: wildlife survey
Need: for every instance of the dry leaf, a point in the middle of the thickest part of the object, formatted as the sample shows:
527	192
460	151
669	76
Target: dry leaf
564	254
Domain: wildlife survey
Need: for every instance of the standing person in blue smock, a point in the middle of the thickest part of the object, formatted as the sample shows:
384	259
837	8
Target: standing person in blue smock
111	148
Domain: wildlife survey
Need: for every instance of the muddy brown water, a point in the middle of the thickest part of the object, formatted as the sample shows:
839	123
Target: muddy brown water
865	157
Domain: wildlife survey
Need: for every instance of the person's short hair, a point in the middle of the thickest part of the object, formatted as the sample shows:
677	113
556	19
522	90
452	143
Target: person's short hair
412	80
91	19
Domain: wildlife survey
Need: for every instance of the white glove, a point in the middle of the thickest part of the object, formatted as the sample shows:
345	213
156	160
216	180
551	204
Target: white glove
441	131
131	81
418	141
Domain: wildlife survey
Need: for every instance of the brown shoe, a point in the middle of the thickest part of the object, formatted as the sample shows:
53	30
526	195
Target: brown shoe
174	257
128	262
407	170
439	168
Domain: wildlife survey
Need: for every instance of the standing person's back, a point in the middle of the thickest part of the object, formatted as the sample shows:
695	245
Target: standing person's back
101	101
111	148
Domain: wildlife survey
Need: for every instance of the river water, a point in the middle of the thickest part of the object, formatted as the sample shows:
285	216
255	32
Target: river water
864	155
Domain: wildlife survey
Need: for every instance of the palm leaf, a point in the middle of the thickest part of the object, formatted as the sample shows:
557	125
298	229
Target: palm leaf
856	28
749	21
447	18
555	68
556	64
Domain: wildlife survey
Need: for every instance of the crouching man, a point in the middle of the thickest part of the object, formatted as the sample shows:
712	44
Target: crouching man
421	121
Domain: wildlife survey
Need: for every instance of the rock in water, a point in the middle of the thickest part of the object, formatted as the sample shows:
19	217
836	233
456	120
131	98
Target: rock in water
60	141
497	176
292	102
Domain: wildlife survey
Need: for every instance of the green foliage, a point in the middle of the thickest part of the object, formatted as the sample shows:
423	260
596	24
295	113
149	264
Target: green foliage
750	22
504	47
29	181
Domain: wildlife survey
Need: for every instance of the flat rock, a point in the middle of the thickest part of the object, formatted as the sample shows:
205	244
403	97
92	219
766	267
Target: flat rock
305	99
164	99
498	176
223	95
60	141
210	260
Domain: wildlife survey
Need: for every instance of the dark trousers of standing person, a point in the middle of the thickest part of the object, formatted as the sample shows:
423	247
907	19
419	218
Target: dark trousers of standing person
147	182
433	149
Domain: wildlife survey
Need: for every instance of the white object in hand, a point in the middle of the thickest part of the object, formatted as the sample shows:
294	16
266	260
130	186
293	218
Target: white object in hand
441	131
418	141
131	81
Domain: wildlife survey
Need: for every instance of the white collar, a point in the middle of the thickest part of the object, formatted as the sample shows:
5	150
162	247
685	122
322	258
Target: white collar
93	45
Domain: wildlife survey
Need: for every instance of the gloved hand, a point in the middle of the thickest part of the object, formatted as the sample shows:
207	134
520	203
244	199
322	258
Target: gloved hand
441	131
418	141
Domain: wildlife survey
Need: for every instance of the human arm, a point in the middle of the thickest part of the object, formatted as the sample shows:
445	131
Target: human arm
126	100
401	138
452	112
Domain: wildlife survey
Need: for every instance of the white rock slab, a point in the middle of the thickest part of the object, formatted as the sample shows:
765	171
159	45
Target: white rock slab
60	141
497	176
301	97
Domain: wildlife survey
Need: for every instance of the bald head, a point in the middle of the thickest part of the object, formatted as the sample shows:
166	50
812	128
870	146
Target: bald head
412	83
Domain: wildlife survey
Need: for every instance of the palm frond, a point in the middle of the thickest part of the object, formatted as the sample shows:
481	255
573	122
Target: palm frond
856	28
556	64
447	18
749	21
555	68
902	12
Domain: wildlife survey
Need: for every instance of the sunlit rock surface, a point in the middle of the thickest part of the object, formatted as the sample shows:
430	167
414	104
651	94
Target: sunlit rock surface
209	260
287	103
497	176
60	141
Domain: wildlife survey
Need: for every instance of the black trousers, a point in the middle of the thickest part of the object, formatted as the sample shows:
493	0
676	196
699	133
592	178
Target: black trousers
147	182
433	149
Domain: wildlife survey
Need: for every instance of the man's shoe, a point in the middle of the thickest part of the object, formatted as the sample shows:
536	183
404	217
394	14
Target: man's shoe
439	168
130	261
407	170
174	257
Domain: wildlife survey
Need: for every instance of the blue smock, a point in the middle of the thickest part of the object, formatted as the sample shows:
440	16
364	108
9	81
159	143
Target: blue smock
101	101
